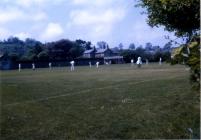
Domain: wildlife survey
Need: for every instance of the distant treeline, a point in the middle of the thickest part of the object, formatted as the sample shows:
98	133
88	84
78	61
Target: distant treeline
15	49
151	53
33	50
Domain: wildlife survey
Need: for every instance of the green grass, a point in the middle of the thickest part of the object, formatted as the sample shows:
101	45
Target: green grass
112	102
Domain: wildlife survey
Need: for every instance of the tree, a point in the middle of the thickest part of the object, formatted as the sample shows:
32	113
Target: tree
65	49
156	48
121	46
167	47
29	42
43	55
132	46
190	55
13	56
14	40
194	60
88	45
182	17
102	45
140	51
82	43
76	51
128	55
148	46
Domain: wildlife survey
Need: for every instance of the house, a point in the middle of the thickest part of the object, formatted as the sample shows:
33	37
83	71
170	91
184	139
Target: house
97	53
114	59
106	54
89	53
101	53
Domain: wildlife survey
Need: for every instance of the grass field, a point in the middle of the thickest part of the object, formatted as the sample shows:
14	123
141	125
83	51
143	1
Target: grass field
117	101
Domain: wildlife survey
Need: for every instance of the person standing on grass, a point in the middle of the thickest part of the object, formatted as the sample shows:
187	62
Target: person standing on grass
132	61
147	61
72	65
90	64
50	65
139	62
33	66
160	61
97	64
19	67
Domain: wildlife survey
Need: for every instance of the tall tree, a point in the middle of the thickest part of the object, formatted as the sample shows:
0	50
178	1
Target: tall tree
132	46
182	17
102	45
121	46
167	47
82	43
148	46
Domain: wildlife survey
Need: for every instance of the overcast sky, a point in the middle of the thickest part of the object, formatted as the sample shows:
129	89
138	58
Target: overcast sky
113	21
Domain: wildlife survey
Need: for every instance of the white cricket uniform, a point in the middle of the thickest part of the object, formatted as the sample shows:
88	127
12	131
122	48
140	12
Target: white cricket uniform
33	66
97	64
50	65
19	66
72	65
139	61
160	60
90	64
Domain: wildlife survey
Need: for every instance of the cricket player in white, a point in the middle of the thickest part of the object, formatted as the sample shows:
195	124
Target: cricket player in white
72	65
160	61
147	61
132	61
50	65
33	66
90	64
139	62
97	64
19	66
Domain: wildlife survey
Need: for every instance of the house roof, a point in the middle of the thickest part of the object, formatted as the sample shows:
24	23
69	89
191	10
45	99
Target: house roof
89	51
115	50
100	50
96	50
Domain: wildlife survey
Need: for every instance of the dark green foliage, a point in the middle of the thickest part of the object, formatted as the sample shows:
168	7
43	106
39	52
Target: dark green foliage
121	46
128	55
43	55
76	51
32	50
86	45
152	53
189	54
194	63
148	47
132	46
181	16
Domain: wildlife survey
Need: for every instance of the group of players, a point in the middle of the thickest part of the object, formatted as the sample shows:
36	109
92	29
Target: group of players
72	68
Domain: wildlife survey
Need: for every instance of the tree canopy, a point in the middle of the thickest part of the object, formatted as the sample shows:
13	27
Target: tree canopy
181	16
33	50
102	44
